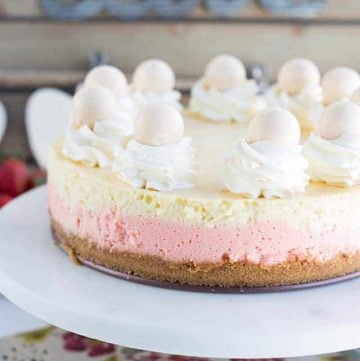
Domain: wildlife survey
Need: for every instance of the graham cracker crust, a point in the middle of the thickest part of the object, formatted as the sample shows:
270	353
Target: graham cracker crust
224	274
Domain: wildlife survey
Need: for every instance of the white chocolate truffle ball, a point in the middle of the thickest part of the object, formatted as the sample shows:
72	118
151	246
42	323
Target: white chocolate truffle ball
339	83
276	125
355	96
109	77
93	104
158	124
342	117
296	74
153	76
224	72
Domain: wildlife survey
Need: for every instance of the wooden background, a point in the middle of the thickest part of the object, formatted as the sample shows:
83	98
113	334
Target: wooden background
28	40
37	51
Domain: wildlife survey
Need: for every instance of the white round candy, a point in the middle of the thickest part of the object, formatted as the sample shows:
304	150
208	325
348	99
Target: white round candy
158	124
153	76
339	83
296	74
224	72
355	96
276	125
109	77
93	104
342	117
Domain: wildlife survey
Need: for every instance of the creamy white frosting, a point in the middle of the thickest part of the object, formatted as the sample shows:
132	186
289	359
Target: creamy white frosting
171	97
265	169
335	161
237	104
126	107
306	106
163	167
127	110
96	147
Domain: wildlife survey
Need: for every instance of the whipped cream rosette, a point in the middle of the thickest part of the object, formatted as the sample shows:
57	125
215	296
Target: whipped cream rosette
268	162
154	81
158	156
224	93
96	129
298	90
333	151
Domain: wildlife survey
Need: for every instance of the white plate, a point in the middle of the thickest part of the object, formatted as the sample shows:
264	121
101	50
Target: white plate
48	112
38	277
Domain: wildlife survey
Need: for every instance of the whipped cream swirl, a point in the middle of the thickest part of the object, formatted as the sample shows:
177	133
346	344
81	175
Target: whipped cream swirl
306	106
265	169
236	104
96	147
171	97
334	161
163	168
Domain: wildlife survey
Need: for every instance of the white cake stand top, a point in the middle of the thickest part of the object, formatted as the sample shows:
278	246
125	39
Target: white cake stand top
38	277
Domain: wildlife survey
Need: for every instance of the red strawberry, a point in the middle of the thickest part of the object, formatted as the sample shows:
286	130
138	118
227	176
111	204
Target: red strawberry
100	349
4	198
14	177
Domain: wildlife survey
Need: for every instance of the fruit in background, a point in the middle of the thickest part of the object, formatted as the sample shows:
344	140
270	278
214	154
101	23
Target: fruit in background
37	178
14	177
4	198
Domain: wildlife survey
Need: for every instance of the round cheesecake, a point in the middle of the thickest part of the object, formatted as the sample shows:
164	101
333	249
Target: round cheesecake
204	235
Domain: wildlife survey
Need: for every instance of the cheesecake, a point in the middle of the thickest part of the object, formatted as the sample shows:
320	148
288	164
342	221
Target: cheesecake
198	202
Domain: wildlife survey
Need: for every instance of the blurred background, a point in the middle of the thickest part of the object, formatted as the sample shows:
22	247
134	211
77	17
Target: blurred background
53	42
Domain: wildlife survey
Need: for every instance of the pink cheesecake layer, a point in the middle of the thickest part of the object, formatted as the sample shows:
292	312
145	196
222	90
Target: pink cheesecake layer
268	242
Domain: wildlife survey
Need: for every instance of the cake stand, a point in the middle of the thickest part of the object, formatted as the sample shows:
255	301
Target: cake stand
39	278
14	320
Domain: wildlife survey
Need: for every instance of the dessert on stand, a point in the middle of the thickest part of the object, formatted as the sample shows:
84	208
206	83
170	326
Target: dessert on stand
208	203
238	207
